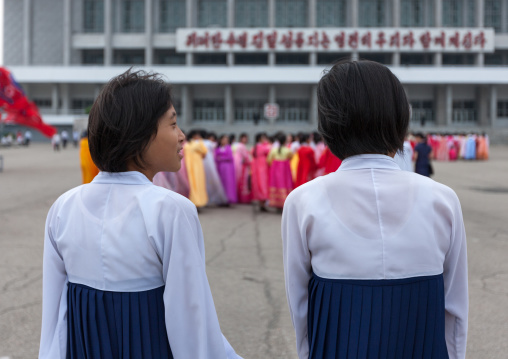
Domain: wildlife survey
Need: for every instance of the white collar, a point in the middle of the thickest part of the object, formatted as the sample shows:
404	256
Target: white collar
368	161
129	177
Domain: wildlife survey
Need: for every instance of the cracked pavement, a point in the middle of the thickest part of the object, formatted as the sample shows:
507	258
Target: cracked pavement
244	256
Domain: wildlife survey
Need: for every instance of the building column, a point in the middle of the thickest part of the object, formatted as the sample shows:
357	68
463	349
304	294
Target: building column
65	95
97	91
190	21
504	19
313	106
186	112
271	24
481	105
479	22
228	105
438	22
108	32
272	98
449	104
55	96
149	32
396	23
311	23
230	57
67	32
27	32
353	21
493	105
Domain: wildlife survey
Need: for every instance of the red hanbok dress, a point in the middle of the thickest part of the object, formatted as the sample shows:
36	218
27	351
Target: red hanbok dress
329	161
306	166
259	170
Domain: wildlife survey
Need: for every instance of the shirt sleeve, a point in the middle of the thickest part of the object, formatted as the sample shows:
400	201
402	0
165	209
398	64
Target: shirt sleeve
191	320
456	288
297	272
54	300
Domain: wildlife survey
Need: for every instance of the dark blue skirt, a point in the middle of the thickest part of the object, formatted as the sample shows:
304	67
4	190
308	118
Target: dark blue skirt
116	324
399	318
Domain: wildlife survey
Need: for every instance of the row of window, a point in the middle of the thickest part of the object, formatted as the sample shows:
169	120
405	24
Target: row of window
293	110
171	14
170	57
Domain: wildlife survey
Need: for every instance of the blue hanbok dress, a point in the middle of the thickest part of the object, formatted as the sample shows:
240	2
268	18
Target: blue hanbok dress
375	264
124	275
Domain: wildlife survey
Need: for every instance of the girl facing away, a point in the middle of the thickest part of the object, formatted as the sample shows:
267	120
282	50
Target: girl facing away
374	257
124	263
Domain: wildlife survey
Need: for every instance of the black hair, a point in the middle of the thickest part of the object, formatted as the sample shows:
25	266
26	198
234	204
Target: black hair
317	137
125	117
221	137
203	133
232	138
282	138
243	134
362	108
303	137
212	134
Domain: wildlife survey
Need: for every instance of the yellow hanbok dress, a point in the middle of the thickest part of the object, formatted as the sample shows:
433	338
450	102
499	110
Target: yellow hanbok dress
194	151
88	168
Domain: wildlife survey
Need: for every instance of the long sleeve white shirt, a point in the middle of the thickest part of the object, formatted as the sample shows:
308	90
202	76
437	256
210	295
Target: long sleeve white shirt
122	233
370	220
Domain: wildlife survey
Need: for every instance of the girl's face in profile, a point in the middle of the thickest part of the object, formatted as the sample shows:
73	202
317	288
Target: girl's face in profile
164	152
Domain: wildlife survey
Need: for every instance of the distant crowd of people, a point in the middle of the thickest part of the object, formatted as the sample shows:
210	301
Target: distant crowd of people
19	139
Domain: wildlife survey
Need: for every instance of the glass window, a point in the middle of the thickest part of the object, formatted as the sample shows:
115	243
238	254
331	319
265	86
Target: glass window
498	58
92	57
251	13
372	13
291	13
247	110
251	59
382	58
492	13
208	110
458	13
421	112
210	59
43	102
132	16
464	111
212	13
416	59
502	108
328	58
172	15
293	110
93	12
331	13
458	59
292	59
168	57
129	57
79	105
412	13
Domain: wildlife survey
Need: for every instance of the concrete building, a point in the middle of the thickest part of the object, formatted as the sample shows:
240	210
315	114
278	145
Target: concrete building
227	58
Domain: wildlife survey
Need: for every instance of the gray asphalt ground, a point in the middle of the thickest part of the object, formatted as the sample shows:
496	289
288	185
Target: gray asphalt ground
244	256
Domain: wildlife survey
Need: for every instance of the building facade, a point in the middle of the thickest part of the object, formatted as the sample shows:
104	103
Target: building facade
227	58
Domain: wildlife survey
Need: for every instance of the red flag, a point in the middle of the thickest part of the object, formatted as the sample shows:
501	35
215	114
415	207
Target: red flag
19	109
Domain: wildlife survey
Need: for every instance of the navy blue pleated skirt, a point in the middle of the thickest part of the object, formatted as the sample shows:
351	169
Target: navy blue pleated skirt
399	318
116	324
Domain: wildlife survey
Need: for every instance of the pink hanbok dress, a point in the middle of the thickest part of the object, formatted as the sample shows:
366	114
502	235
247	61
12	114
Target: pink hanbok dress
259	168
243	173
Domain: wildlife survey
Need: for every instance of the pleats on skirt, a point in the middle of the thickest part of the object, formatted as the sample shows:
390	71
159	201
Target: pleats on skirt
114	325
399	318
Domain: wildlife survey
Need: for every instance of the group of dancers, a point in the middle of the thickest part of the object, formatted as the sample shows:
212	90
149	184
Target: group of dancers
219	171
452	147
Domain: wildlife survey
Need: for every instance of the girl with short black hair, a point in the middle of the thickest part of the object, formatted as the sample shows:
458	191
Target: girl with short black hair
374	257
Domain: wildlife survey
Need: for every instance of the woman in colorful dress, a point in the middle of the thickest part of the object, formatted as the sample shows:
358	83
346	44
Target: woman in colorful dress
374	257
195	152
214	187
242	169
226	168
259	170
281	180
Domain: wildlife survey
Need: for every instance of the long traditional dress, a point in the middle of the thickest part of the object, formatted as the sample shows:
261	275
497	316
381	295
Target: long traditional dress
194	153
124	275
329	161
369	273
243	172
422	163
295	159
88	168
260	175
306	165
281	179
443	149
319	149
482	152
214	187
226	168
470	148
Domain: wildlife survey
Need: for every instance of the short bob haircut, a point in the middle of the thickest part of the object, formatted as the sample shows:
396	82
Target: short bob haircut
124	119
362	108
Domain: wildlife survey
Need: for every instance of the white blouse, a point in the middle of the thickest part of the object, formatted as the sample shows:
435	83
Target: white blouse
370	220
122	233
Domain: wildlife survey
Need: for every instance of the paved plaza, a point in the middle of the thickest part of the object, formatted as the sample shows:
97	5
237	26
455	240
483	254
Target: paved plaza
244	256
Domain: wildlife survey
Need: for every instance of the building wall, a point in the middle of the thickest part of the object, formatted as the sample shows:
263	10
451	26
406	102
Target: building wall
13	32
47	34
